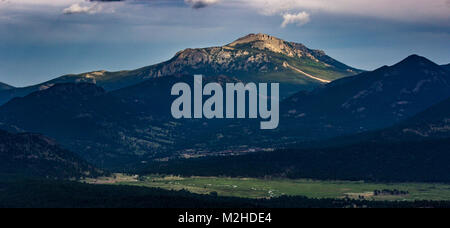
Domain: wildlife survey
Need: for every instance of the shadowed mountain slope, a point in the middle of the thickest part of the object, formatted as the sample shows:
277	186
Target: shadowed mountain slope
38	156
371	100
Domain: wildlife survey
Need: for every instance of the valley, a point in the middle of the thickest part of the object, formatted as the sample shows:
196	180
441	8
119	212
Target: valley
272	188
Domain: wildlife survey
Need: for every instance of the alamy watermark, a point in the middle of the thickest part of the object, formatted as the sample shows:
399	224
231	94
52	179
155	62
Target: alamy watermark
213	107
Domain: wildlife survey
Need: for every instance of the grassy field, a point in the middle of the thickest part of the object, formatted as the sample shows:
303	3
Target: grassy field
260	188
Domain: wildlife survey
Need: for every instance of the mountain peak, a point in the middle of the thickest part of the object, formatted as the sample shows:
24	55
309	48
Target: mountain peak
415	61
265	42
415	57
259	37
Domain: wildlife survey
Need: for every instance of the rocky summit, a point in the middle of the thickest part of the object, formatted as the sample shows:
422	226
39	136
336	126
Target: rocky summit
257	57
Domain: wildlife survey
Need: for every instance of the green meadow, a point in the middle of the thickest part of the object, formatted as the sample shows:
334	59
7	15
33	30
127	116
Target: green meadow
269	188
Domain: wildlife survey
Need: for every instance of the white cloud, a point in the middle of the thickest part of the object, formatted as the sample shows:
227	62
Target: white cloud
197	4
298	19
408	10
78	8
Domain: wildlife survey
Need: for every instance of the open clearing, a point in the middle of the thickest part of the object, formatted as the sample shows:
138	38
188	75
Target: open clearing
267	188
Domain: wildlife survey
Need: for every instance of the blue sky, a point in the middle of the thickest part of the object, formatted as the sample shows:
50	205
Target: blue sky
44	39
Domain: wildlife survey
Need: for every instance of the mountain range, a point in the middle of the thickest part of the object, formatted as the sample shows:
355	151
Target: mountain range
371	100
253	58
112	119
83	118
116	126
363	103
